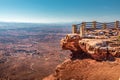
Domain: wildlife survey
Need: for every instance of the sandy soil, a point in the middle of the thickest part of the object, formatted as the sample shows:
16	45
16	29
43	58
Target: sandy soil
87	69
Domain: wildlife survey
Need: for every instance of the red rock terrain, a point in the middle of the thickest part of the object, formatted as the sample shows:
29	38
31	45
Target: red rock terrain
81	66
86	69
98	47
30	53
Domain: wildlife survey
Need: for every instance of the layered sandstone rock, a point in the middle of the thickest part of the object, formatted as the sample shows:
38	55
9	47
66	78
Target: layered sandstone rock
104	46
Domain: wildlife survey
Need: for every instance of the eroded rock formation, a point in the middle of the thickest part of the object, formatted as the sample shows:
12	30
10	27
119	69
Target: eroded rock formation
96	44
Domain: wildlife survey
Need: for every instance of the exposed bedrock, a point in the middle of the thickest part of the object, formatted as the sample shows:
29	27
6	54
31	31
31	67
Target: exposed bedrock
89	48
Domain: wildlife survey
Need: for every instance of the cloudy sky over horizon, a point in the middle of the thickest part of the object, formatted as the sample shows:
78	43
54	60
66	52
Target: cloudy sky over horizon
52	11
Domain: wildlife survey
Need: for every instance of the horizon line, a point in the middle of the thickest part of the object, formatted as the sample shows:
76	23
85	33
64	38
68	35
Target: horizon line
59	22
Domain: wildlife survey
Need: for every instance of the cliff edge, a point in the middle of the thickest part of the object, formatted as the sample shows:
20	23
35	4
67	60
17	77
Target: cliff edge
95	54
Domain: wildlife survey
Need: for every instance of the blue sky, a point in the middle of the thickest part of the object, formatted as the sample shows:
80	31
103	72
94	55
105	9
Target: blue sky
52	11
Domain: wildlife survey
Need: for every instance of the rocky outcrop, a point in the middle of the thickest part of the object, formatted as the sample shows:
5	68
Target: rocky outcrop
94	56
95	48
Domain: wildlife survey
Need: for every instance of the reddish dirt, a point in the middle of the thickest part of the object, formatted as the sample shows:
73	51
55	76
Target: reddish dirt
86	69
